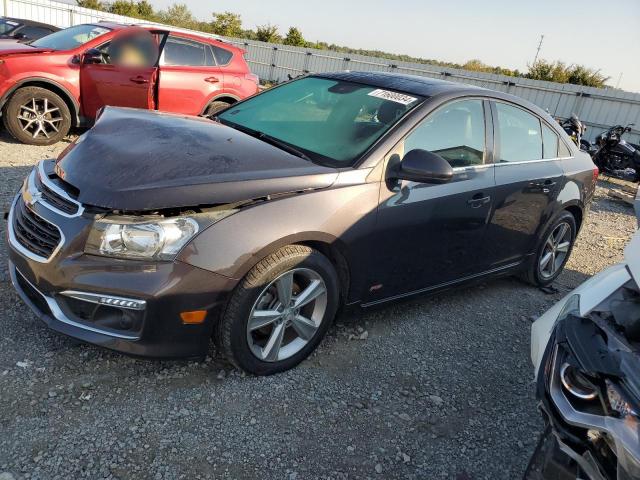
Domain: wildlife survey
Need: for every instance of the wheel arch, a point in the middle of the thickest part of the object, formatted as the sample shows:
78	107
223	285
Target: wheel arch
577	212
223	97
64	93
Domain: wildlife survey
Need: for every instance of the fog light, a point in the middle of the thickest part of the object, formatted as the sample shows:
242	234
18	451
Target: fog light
575	383
194	317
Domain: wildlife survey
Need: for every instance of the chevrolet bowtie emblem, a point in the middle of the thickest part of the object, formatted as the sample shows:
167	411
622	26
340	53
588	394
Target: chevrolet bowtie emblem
32	199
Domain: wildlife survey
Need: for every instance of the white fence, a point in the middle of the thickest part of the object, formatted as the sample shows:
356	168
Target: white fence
598	108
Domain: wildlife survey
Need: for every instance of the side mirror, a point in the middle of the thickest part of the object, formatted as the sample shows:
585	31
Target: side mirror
92	56
424	167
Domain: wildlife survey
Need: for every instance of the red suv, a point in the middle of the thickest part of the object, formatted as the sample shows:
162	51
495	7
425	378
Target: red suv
62	80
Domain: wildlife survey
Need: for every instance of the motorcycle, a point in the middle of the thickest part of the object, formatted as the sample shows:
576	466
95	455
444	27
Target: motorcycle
614	154
585	351
576	130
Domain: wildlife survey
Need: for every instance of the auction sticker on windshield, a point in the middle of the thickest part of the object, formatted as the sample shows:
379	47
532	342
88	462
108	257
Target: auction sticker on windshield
393	96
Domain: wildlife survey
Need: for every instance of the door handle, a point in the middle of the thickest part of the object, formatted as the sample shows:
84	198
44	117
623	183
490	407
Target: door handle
139	79
478	200
212	79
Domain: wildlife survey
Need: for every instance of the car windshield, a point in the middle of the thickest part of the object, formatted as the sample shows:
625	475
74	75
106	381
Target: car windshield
70	38
7	26
330	121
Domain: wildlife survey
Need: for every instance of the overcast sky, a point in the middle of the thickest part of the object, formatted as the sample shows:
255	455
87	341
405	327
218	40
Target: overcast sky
597	33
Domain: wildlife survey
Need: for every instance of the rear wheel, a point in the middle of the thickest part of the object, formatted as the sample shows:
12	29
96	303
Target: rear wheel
553	251
280	311
215	107
37	116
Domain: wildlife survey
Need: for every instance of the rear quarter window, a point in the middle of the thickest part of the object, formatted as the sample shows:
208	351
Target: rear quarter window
222	55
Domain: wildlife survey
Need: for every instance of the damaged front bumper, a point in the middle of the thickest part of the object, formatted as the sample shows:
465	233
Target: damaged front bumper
130	306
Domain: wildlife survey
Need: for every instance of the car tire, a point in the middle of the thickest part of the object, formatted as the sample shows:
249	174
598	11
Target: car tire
37	116
251	348
215	107
557	242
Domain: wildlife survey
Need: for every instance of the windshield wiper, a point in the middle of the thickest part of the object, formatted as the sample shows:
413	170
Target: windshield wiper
282	145
266	138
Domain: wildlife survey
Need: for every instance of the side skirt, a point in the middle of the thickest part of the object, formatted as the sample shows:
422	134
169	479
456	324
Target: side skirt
445	285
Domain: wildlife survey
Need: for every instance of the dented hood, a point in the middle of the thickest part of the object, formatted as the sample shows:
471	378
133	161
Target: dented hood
143	160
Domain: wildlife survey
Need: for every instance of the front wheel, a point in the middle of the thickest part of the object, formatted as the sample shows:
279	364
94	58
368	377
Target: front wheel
280	311
553	251
37	116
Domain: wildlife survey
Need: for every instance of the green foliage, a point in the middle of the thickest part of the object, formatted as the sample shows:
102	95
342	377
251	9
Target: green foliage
92	4
178	15
124	7
561	73
227	24
268	33
145	10
294	37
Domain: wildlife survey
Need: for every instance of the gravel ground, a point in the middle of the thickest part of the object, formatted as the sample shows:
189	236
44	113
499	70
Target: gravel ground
439	387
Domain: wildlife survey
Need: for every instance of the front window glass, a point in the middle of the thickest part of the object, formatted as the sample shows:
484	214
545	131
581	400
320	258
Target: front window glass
519	134
331	121
456	132
7	26
71	37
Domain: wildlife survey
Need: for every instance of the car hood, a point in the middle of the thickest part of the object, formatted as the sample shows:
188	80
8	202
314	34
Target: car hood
137	160
13	47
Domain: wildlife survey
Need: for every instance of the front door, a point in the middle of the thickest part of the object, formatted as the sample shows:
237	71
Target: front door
189	76
529	175
429	235
121	73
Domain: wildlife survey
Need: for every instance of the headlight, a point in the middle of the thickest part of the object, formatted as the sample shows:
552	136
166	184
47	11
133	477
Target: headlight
130	237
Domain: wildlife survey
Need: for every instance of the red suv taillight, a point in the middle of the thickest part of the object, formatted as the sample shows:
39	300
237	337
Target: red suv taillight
253	78
596	172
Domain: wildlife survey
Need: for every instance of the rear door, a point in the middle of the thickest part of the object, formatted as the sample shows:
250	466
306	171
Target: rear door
124	74
189	76
529	175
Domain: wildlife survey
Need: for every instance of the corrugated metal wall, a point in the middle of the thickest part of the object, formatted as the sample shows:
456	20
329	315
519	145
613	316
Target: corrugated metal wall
599	108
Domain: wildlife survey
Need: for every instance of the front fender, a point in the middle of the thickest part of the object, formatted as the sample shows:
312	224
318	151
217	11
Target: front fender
342	217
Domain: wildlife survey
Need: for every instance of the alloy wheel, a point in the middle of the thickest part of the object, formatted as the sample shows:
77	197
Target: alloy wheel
287	315
555	250
39	118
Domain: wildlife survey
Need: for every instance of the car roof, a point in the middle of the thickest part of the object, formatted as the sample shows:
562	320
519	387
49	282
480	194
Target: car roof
429	87
31	23
413	84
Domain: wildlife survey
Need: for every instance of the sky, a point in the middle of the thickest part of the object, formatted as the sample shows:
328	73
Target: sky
600	34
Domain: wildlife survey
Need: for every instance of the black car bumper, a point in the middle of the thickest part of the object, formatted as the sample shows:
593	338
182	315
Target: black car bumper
133	307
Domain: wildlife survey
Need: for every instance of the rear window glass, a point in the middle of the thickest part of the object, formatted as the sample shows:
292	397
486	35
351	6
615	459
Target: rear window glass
549	142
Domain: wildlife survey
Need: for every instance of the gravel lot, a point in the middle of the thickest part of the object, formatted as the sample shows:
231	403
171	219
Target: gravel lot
439	387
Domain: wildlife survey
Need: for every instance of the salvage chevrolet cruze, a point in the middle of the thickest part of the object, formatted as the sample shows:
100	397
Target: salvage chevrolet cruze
153	232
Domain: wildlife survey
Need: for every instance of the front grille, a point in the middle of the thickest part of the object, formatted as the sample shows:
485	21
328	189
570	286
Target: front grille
33	232
55	199
32	294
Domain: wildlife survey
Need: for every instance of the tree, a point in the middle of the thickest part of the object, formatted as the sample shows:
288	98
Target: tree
227	24
561	73
92	4
268	33
178	15
124	7
294	37
145	10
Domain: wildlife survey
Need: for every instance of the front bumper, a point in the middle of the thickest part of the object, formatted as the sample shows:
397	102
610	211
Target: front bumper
125	305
